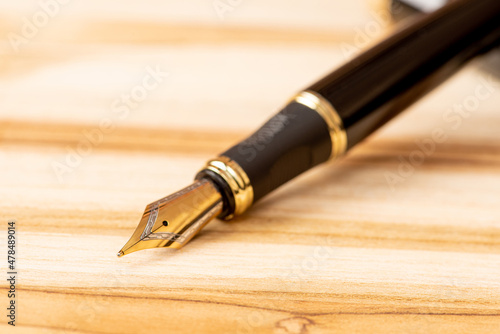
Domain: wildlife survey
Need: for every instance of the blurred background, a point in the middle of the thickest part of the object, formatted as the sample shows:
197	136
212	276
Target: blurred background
67	61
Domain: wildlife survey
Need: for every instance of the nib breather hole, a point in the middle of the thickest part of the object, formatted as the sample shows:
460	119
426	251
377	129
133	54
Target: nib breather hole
165	223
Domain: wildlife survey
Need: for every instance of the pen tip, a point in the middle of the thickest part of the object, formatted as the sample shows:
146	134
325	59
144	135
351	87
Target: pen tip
172	221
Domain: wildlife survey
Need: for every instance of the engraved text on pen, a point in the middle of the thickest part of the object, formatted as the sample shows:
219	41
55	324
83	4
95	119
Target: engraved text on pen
259	140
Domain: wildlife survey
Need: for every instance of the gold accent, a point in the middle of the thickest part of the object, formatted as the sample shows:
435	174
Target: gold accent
173	220
237	180
318	103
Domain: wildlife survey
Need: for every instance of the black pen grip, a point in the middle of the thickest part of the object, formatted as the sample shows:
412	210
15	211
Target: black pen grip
290	143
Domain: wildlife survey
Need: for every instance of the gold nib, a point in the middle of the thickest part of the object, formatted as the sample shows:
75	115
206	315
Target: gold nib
173	220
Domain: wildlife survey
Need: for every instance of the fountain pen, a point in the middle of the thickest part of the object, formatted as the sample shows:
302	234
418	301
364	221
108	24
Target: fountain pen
325	120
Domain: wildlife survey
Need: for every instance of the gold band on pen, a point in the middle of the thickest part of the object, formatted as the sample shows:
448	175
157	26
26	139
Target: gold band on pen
237	180
324	108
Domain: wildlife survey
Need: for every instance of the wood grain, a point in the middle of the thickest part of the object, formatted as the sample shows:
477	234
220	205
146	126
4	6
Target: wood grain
372	243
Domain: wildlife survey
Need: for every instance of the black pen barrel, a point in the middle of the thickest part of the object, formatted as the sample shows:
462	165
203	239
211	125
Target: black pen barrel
346	106
380	83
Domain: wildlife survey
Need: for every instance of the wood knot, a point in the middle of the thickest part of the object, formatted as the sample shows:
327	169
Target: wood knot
295	325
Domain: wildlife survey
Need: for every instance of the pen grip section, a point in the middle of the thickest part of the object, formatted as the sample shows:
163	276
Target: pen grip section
290	143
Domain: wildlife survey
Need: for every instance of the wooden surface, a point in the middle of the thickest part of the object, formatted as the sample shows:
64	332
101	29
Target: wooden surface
370	244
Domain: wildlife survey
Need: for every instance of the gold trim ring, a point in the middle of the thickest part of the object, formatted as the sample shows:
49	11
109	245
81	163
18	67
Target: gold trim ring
318	103
237	180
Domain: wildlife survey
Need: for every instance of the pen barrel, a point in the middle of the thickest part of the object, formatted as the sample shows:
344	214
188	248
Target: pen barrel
347	105
380	83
